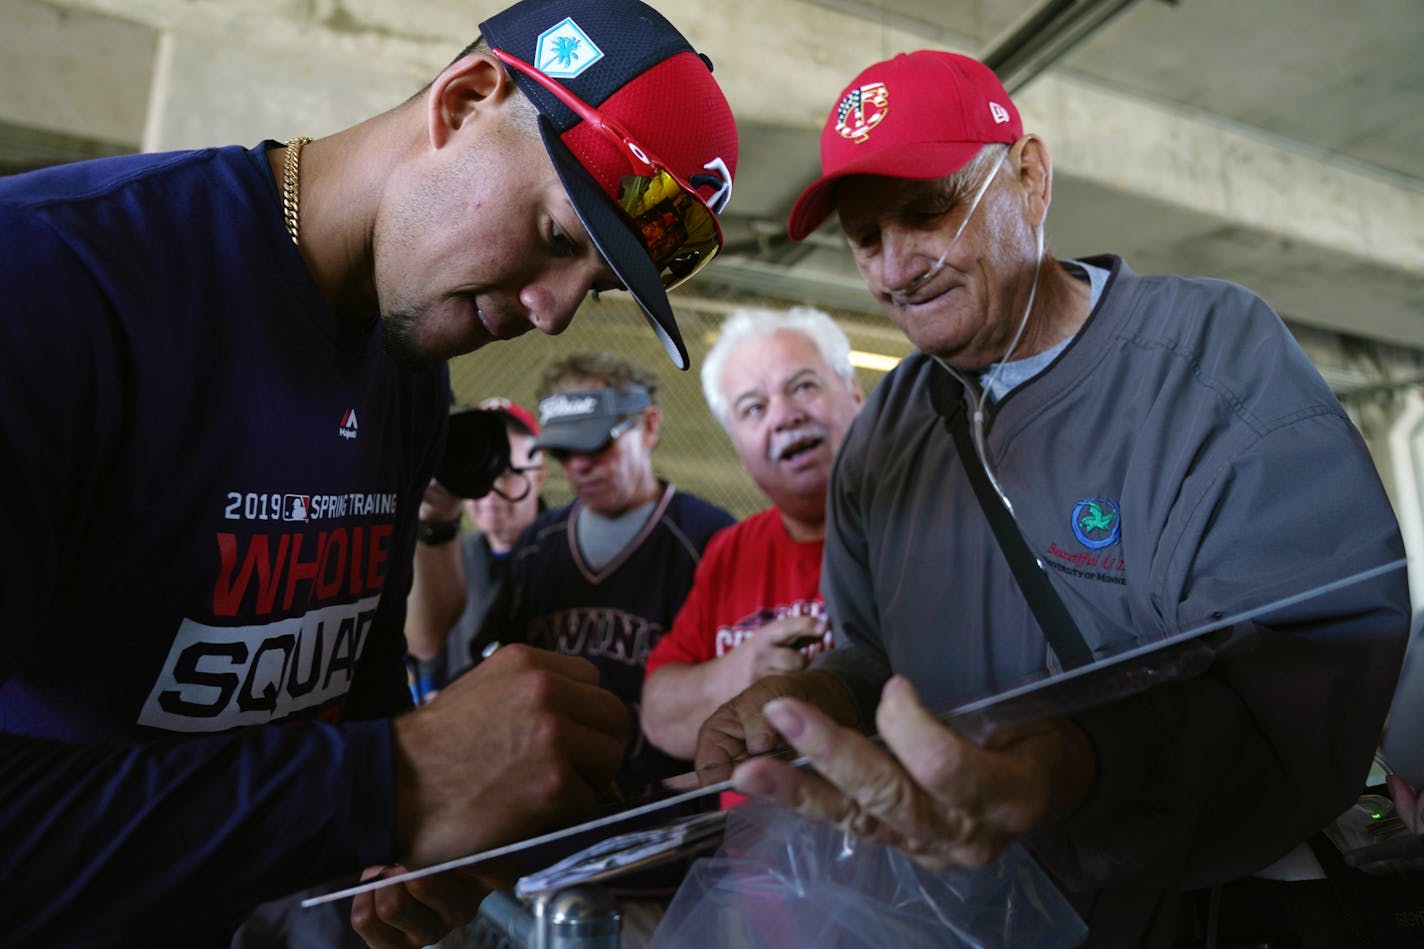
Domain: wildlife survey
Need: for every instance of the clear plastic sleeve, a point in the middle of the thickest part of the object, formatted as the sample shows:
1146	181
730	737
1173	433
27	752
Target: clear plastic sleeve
782	880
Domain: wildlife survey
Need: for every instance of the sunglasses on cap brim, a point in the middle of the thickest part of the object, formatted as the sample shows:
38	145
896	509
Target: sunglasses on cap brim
677	228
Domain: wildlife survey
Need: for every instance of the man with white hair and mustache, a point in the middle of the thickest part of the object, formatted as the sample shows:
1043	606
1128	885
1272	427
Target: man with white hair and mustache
782	385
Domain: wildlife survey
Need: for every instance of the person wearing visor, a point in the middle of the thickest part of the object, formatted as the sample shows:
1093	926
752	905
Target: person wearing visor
1159	454
604	576
222	397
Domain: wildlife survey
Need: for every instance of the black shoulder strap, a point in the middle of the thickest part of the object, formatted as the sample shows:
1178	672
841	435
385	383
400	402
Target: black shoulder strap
1068	644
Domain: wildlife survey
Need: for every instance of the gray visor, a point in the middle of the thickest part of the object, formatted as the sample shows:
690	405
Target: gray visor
582	420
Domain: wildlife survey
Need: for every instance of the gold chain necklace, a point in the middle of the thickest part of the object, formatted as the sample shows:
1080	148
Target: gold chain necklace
291	187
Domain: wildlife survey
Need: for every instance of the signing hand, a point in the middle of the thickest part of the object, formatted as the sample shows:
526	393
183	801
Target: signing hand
938	797
523	742
419	912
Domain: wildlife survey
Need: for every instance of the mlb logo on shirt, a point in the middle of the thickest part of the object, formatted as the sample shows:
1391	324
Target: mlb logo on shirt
296	507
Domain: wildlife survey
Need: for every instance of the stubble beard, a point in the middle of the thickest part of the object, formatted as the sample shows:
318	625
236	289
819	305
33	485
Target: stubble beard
400	337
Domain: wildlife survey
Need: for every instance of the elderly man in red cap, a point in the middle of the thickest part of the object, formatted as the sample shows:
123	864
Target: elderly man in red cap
1079	461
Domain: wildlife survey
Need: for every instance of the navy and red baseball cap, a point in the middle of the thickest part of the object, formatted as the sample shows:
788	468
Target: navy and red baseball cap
920	115
640	133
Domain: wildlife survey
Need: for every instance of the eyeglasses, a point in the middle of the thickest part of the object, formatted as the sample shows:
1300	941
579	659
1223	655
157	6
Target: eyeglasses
562	455
680	232
513	483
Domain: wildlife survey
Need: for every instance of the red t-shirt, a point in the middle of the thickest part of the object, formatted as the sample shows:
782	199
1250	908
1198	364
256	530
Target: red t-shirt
751	574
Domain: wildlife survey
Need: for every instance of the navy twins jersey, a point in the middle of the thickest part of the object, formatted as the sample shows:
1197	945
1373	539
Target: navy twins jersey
613	617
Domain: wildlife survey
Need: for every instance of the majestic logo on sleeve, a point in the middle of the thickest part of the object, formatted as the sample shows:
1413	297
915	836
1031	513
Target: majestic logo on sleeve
1096	523
348	424
564	50
861	109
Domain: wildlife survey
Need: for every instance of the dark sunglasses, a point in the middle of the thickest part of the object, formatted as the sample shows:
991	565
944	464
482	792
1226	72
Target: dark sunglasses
679	231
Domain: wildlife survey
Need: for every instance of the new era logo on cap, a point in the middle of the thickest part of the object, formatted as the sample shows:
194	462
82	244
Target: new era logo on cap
565	51
1000	114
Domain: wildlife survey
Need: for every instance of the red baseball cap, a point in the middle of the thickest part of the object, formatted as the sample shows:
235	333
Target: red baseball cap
513	411
654	108
921	115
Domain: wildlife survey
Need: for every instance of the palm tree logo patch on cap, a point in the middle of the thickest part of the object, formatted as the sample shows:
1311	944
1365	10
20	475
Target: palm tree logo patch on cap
564	50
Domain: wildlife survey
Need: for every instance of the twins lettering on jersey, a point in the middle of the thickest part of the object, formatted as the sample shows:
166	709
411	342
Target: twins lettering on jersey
300	602
730	637
622	637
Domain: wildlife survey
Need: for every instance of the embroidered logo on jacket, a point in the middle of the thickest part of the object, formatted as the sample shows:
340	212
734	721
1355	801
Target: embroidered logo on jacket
1097	523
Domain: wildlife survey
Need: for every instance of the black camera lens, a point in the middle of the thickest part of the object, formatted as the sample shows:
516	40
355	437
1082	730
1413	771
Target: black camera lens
476	453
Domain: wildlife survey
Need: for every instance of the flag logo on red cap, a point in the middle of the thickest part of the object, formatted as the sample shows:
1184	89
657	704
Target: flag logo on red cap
861	109
1000	114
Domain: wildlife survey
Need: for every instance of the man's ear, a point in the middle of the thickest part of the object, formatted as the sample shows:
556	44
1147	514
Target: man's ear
474	82
1033	167
652	424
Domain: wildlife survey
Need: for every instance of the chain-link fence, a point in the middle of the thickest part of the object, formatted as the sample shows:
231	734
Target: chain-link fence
695	453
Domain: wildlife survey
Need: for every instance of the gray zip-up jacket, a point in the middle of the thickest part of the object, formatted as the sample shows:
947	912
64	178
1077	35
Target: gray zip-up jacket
1179	461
